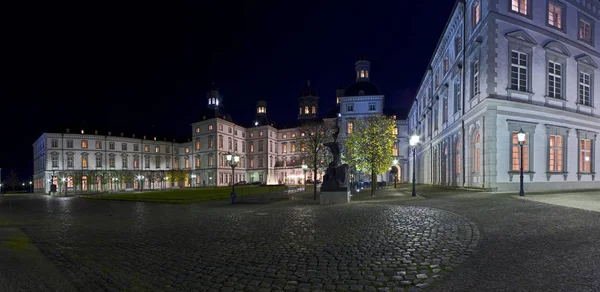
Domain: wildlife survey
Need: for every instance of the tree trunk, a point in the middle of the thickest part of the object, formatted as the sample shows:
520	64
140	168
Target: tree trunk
373	183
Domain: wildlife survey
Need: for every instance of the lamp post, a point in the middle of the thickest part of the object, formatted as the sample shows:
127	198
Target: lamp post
414	140
233	160
304	168
31	187
395	173
521	137
0	188
140	178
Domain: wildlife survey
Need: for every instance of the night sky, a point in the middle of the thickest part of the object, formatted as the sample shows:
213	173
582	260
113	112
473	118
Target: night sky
145	67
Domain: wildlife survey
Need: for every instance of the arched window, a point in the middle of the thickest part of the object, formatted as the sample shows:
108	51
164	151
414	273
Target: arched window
457	157
367	73
306	112
69	181
362	73
300	110
314	109
476	152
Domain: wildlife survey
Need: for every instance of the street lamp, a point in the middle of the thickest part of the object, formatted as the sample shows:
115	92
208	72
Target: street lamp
140	178
304	168
64	181
521	137
395	172
193	176
31	186
414	140
233	160
0	189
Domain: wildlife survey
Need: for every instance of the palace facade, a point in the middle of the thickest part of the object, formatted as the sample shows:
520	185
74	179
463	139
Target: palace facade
502	66
268	154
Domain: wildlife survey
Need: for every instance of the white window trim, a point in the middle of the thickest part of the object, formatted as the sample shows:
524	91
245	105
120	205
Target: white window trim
557	131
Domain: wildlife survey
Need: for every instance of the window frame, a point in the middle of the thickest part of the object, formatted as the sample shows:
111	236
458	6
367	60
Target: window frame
564	133
583	67
580	17
475	77
527	68
563	13
562	61
586	135
528	12
529	129
475	21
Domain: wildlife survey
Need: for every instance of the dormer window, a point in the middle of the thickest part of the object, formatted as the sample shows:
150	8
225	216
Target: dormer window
362	92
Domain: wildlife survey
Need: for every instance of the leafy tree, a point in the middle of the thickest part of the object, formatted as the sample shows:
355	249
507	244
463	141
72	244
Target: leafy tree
92	179
128	177
370	146
172	175
13	180
311	141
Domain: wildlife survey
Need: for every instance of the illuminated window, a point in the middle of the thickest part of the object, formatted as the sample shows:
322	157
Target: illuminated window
220	142
555	155
84	162
210	142
477	153
84	144
284	148
293	147
197	161
197	145
210	161
395	150
136	162
476	13
362	73
220	127
314	109
350	127
516	154
70	182
395	131
210	127
585	30
284	136
554	79
367	73
300	110
306	112
98	145
260	134
555	14
146	148
519	6
197	130
157	149
251	147
585	155
187	149
187	162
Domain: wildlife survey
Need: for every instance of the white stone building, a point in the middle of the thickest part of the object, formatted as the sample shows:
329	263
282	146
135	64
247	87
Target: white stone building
505	65
268	154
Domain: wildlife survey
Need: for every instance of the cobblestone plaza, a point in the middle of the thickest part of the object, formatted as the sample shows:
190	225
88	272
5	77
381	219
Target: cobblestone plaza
441	241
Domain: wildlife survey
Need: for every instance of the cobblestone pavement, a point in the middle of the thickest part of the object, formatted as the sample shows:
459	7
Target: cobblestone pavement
122	246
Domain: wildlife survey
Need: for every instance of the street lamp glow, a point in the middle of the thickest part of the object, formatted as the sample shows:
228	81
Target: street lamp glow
395	161
521	136
256	123
414	140
29	183
229	157
232	159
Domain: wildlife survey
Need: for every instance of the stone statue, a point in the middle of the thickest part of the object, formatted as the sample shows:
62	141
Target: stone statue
335	175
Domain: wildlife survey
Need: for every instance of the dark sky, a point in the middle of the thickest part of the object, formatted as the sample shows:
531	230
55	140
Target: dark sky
145	67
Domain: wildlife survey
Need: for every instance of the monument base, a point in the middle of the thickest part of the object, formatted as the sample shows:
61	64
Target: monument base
341	196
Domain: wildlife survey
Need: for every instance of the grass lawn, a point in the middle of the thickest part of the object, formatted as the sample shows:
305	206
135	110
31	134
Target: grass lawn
188	195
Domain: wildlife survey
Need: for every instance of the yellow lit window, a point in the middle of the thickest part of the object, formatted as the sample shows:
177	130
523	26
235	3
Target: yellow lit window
350	127
84	162
197	145
84	144
187	149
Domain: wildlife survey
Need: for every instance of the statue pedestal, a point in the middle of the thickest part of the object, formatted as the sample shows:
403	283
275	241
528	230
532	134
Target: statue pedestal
335	196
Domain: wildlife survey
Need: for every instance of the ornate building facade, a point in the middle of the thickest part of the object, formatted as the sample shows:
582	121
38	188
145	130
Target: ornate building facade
268	154
502	66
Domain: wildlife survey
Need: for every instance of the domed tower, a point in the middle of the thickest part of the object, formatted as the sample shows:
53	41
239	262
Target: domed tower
363	68
261	114
363	85
213	97
308	102
339	93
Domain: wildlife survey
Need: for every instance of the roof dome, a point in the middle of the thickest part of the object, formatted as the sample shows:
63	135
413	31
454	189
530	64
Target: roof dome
362	88
333	112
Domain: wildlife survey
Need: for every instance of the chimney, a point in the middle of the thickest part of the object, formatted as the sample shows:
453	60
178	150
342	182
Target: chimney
154	138
109	133
133	135
67	130
121	134
144	137
96	132
81	131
